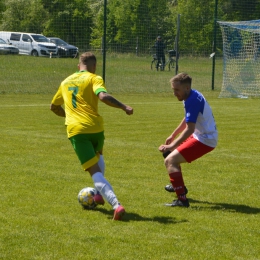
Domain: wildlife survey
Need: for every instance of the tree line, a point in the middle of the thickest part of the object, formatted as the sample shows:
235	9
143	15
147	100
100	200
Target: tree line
131	24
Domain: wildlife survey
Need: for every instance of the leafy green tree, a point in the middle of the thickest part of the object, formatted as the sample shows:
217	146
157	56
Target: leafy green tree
119	24
150	19
130	21
98	24
24	15
2	9
81	22
196	25
240	10
71	20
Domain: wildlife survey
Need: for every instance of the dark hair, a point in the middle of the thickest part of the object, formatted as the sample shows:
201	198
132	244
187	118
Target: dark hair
87	58
183	78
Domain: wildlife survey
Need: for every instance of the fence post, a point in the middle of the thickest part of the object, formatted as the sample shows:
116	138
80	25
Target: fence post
104	39
136	48
214	45
177	44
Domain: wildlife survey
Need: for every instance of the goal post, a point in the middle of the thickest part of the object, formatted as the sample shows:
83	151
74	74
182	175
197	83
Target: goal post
241	59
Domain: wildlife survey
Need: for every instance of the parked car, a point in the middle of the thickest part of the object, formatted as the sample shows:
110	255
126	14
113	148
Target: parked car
64	49
7	48
30	43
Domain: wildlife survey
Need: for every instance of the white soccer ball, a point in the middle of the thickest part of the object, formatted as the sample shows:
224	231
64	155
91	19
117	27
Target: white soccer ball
86	198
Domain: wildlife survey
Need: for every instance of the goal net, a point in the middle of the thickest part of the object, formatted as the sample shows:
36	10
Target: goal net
241	59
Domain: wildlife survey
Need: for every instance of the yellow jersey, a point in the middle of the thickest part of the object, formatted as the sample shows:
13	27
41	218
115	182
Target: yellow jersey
78	93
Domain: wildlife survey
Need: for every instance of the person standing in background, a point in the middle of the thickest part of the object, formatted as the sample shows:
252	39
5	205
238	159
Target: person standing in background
159	48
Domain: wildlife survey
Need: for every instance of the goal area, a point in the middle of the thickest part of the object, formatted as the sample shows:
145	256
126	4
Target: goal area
241	59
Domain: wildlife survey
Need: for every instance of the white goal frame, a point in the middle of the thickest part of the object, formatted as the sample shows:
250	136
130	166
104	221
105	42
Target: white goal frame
241	59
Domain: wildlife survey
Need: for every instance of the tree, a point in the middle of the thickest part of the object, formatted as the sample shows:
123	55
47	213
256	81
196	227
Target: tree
97	7
71	20
240	10
150	19
132	20
2	9
196	26
24	16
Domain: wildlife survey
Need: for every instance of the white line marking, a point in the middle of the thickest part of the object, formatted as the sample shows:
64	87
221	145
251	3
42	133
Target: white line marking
130	103
32	105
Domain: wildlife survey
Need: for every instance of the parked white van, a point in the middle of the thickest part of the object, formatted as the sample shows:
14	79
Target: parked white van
30	43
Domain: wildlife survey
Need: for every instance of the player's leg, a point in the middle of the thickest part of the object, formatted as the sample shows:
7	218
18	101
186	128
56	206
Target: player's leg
85	146
169	187
85	151
172	163
103	186
101	163
188	151
106	190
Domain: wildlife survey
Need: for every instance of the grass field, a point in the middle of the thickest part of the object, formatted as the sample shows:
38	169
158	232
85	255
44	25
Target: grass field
40	217
125	74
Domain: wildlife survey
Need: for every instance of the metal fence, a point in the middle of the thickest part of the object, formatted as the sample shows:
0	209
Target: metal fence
129	27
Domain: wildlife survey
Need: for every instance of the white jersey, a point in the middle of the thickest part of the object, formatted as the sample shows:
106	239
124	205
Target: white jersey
198	111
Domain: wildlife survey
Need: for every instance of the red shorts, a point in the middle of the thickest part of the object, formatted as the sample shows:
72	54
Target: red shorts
192	149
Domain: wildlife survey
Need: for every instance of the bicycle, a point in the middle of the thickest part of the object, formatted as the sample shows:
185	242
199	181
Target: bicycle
154	63
170	63
171	59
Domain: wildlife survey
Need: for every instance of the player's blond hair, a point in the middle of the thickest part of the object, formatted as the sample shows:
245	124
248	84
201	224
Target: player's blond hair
182	78
87	58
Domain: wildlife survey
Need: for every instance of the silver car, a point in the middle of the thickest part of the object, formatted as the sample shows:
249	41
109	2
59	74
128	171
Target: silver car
7	48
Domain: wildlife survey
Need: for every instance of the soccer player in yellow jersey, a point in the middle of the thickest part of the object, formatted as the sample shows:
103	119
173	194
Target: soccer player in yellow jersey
79	95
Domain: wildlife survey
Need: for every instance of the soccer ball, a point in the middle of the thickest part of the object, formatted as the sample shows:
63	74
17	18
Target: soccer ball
86	198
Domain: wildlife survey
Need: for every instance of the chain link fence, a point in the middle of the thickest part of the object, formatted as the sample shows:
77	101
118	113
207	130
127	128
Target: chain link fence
131	28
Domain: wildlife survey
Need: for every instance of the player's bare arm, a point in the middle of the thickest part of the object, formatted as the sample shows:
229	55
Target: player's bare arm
189	129
177	131
111	101
58	110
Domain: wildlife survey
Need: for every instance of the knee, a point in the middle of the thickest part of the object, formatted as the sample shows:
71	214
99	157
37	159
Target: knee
93	169
171	164
167	162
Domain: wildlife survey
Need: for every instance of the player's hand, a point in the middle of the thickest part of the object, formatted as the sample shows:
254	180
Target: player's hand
164	148
129	110
169	139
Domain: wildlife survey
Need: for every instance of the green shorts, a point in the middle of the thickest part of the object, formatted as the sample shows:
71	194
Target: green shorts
87	147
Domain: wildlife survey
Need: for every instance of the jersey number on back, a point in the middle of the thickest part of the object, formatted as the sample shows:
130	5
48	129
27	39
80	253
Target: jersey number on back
74	93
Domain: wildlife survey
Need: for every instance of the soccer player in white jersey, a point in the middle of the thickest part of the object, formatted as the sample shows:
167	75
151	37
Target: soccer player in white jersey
195	136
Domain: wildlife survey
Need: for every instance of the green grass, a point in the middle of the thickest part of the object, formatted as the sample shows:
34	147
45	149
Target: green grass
40	217
124	74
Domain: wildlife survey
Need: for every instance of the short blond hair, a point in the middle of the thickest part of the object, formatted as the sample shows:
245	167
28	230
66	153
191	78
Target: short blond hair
87	58
182	78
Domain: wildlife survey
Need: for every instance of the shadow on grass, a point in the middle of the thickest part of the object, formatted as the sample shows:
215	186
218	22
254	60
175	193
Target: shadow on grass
226	207
136	217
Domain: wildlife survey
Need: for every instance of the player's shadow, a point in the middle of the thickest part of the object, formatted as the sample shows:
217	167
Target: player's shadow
224	206
129	216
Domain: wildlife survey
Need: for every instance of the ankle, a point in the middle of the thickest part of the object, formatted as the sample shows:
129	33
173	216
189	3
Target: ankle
182	197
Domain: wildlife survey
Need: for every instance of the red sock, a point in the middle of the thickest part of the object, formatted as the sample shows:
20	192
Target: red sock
178	184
